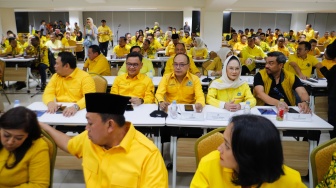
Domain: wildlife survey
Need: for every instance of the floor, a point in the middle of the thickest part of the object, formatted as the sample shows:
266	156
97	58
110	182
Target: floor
74	178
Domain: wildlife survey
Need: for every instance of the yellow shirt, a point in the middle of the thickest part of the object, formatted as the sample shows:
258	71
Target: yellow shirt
199	53
43	51
332	39
16	51
324	41
170	67
187	41
305	65
232	42
270	40
104	37
309	34
155	44
69	89
140	86
328	64
210	174
32	171
314	52
239	46
98	65
147	66
264	46
121	51
149	53
65	42
135	162
189	91
239	95
215	65
170	49
283	50
249	52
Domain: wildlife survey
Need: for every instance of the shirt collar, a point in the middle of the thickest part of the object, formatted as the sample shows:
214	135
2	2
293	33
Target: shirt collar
128	138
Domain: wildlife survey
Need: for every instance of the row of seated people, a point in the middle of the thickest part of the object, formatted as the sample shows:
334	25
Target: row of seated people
180	85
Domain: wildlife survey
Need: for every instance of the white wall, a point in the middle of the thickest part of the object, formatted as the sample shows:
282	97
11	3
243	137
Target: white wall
7	21
211	29
187	17
76	16
298	21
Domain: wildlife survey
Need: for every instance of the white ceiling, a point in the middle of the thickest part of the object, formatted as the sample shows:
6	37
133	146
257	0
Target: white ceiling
280	6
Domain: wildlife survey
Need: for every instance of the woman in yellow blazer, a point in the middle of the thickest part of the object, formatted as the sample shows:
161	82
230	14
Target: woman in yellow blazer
199	51
229	92
24	155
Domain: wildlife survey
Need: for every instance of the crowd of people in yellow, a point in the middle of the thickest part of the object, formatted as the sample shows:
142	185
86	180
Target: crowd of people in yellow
108	137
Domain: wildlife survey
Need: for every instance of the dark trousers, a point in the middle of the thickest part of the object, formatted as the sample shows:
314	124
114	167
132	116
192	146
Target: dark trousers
103	47
41	67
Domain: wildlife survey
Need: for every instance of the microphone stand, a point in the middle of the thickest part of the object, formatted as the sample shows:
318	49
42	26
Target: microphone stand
118	33
158	112
207	79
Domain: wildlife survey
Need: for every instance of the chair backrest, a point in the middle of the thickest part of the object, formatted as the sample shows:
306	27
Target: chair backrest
72	43
79	48
52	154
2	71
100	82
320	160
208	143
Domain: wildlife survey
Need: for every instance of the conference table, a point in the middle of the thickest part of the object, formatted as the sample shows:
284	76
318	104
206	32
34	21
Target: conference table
21	71
211	113
315	88
139	117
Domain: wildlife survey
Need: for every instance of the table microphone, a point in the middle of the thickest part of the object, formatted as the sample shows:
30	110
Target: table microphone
158	112
207	79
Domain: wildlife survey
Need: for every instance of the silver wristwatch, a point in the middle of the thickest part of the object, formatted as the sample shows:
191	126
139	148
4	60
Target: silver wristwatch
76	107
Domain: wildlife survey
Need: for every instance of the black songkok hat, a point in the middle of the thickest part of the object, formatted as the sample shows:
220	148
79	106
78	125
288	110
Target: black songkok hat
106	103
175	36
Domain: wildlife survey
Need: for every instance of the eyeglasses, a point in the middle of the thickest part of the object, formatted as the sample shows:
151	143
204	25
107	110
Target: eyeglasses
135	65
179	65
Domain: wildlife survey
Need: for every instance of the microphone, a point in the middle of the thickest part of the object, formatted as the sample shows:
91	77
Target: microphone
207	79
158	112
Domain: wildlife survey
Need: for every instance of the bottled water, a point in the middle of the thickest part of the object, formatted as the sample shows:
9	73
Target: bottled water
281	110
151	74
16	103
173	110
247	108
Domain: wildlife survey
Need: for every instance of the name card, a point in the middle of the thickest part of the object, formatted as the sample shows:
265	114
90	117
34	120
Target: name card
192	116
298	117
216	116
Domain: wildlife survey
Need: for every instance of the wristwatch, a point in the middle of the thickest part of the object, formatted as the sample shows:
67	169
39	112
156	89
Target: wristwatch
76	107
142	101
306	102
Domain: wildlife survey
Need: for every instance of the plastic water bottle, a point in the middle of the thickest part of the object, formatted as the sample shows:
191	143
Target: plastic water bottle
173	110
155	55
16	103
247	108
151	74
281	110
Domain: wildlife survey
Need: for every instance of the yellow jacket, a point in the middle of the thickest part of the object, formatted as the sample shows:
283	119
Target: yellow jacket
9	50
249	52
283	50
32	171
215	65
198	53
121	51
140	86
147	66
69	89
189	91
286	84
135	162
107	33
239	95
239	46
98	65
170	67
43	52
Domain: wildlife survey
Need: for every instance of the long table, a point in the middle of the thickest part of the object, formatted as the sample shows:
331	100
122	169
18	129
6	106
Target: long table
18	73
139	117
316	124
315	89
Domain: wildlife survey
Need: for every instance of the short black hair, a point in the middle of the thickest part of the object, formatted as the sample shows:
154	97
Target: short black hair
312	41
146	40
67	57
134	54
123	38
188	59
119	119
103	21
256	146
42	21
262	34
306	44
280	57
11	39
95	48
134	47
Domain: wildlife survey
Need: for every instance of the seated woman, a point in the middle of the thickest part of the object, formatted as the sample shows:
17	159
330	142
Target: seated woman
250	156
216	66
199	51
228	91
24	155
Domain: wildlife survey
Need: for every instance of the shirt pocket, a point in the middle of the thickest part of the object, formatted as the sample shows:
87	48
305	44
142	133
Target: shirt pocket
123	180
91	168
139	90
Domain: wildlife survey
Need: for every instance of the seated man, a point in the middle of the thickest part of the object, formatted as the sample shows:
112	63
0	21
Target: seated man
134	84
122	49
302	63
187	39
147	65
114	153
69	84
154	43
325	40
216	66
170	50
274	83
248	54
180	49
280	47
234	40
314	51
147	51
240	45
97	62
14	49
54	45
262	44
180	85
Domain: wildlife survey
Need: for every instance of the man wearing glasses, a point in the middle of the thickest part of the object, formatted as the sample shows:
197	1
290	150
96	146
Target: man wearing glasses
274	83
302	63
280	47
134	84
180	85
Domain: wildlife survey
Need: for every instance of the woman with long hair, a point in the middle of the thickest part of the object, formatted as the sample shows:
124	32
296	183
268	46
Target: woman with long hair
24	155
90	33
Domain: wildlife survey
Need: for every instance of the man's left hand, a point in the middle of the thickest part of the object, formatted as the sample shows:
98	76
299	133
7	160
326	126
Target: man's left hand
304	108
198	74
69	111
136	101
198	107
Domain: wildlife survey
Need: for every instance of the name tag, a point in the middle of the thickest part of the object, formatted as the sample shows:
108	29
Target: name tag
298	117
216	116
